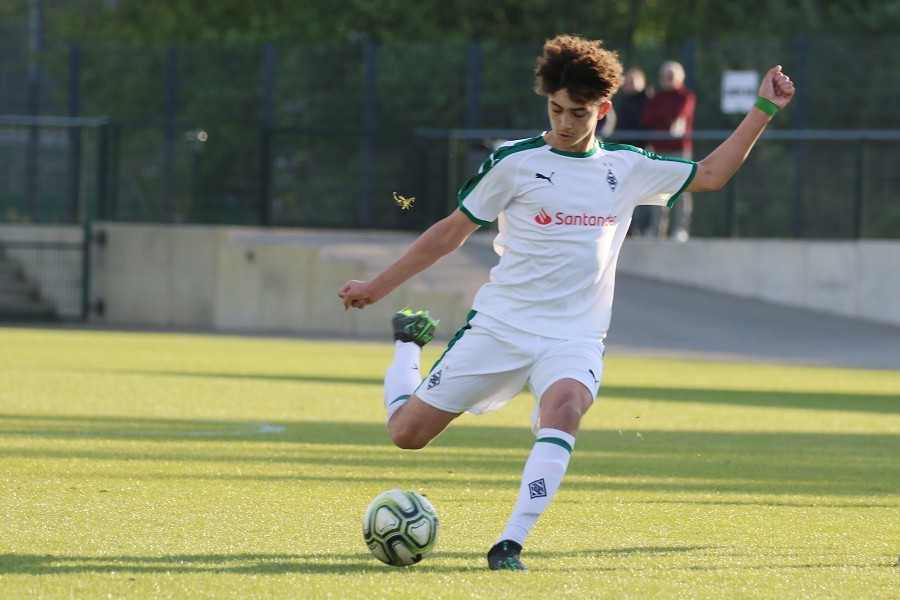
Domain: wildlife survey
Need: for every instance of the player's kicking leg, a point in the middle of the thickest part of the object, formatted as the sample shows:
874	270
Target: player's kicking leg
412	423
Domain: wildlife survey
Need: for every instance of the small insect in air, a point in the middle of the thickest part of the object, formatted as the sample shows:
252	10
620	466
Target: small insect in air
403	202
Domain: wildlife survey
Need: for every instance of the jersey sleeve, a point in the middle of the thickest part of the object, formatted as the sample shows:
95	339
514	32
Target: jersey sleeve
659	180
484	196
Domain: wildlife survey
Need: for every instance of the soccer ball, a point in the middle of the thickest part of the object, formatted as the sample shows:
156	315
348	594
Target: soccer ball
400	527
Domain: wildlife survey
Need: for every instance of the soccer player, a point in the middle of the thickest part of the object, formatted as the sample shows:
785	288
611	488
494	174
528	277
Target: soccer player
564	203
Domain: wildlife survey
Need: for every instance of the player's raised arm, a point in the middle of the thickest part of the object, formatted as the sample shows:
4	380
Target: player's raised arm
775	92
437	241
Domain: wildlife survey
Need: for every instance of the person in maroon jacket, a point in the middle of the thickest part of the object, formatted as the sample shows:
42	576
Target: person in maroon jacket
671	110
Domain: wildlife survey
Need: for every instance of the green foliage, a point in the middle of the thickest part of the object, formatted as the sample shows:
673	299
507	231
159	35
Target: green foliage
624	22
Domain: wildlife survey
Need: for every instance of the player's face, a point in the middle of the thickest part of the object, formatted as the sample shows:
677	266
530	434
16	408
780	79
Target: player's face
572	123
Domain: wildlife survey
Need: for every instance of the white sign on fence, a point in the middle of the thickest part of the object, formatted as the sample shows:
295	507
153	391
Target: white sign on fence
740	89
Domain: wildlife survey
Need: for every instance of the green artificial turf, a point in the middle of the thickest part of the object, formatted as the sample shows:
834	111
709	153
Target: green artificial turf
187	466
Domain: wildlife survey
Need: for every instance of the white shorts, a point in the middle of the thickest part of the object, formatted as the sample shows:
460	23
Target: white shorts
489	362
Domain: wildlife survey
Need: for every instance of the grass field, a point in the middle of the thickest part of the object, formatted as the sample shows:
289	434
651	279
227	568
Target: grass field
186	466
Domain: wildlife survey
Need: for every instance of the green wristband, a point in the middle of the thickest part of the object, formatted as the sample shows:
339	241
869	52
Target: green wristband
766	105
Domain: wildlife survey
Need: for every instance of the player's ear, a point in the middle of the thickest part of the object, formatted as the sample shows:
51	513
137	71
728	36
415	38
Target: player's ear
604	108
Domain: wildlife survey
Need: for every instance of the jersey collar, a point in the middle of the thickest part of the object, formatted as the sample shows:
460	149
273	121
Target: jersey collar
590	152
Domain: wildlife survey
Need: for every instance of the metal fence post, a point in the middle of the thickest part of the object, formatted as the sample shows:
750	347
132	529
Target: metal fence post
858	189
269	59
77	208
103	168
170	119
688	59
731	213
86	270
473	89
35	77
369	115
799	116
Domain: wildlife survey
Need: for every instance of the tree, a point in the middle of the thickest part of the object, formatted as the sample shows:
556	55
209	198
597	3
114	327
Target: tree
621	22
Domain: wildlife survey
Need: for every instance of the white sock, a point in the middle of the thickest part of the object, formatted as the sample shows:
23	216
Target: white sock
541	477
402	377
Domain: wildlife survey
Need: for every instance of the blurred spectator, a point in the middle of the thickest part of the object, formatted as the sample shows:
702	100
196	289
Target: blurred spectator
671	110
629	106
630	103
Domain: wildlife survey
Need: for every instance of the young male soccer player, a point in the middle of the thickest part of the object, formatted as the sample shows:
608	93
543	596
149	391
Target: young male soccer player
564	203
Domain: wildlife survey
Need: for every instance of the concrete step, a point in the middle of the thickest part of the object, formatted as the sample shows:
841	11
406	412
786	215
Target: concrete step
39	310
20	299
17	287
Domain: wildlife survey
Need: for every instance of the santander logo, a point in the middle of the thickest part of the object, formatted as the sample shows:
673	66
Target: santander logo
542	218
582	220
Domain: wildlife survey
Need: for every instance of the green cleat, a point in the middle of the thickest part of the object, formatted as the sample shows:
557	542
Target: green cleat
504	556
412	326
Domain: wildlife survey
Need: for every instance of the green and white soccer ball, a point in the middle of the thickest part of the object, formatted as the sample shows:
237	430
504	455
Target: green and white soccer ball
400	527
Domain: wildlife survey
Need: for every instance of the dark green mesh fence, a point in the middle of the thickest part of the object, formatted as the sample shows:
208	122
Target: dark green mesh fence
322	135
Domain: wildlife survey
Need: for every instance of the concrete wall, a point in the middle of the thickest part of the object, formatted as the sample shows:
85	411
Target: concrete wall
847	278
223	279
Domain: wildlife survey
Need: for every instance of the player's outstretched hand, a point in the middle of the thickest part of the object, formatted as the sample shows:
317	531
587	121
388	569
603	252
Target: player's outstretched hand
777	87
356	294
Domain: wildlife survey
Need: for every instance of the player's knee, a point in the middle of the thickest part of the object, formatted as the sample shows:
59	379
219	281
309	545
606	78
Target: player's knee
406	437
570	414
565	414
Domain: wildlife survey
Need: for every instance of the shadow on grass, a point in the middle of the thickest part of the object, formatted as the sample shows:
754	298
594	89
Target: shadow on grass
262	564
874	403
360	563
870	403
666	461
272	377
282	564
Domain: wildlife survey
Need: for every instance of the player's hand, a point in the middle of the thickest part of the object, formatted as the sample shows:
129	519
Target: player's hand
356	294
777	87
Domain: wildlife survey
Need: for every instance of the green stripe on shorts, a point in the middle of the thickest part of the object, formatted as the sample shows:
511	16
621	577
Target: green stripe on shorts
399	398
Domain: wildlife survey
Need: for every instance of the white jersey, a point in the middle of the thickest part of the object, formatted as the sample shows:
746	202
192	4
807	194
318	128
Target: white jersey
563	217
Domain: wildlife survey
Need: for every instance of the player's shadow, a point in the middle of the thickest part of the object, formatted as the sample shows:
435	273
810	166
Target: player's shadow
256	564
236	564
285	564
359	562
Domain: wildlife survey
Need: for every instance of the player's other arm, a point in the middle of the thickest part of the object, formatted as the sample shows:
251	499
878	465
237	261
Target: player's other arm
723	162
437	241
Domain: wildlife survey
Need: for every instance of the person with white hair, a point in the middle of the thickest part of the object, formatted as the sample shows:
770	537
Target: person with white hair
671	111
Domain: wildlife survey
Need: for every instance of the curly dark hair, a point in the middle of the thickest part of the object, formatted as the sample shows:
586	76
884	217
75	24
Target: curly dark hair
584	68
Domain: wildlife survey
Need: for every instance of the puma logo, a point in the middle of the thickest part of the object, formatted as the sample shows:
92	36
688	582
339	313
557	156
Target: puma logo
547	177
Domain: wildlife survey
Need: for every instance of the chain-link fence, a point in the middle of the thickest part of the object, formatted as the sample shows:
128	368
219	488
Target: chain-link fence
321	135
826	184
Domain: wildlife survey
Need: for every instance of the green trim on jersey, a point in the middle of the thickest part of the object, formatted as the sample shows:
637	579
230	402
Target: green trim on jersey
613	147
472	217
687	182
552	440
495	157
587	154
